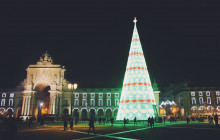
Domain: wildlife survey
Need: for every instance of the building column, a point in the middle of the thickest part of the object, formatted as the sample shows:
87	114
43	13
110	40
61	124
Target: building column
28	106
23	105
80	114
88	114
52	104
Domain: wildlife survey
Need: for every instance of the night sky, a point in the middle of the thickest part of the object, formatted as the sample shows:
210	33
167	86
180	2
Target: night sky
180	40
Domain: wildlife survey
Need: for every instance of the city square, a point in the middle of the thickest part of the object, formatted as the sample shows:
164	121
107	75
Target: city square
178	130
104	71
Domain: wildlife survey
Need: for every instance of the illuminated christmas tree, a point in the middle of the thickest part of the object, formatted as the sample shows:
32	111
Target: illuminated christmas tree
137	97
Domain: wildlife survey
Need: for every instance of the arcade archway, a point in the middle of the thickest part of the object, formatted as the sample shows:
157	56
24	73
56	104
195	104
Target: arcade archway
84	115
92	113
42	98
100	112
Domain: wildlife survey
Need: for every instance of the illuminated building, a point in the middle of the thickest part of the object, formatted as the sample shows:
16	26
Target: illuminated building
198	101
46	84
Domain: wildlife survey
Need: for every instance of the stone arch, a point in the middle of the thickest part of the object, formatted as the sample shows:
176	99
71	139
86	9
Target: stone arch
42	95
100	112
108	112
84	114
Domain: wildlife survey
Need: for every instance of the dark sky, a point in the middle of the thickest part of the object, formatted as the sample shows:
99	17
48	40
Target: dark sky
180	40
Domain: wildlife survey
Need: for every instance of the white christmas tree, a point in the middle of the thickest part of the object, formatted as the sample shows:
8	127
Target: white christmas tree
137	97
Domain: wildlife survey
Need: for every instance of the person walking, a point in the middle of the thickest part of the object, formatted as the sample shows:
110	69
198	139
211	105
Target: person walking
71	124
135	121
164	119
124	121
112	121
152	122
216	120
65	125
148	121
30	121
91	125
187	120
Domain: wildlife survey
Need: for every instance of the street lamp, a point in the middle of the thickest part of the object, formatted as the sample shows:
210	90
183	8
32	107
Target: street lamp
41	104
72	86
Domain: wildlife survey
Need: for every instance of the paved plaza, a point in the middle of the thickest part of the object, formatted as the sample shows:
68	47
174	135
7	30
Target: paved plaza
179	130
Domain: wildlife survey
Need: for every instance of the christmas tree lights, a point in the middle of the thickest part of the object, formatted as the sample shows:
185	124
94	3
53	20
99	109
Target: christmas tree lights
137	97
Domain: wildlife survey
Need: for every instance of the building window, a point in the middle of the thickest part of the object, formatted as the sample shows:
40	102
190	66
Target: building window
3	102
84	95
201	101
108	102
100	102
84	102
108	95
218	100
116	102
3	94
100	95
193	101
217	93
116	95
76	102
209	100
10	103
77	95
92	102
207	93
200	93
12	95
192	93
92	95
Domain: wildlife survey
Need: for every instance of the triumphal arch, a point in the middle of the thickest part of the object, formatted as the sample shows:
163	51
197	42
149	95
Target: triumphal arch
43	87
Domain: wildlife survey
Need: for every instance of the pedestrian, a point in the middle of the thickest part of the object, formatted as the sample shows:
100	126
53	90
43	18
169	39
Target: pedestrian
91	125
164	119
216	120
65	124
187	119
71	124
148	121
112	121
135	121
152	122
124	121
30	122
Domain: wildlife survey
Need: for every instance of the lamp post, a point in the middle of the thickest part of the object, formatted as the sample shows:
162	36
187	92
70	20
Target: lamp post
41	104
72	87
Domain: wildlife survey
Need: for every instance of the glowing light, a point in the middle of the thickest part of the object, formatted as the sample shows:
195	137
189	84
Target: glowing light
69	86
75	86
137	97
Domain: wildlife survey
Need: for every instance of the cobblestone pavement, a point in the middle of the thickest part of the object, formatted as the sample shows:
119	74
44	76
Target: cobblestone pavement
179	130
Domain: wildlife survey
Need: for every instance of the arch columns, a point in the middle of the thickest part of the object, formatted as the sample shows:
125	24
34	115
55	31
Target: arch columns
53	102
27	103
